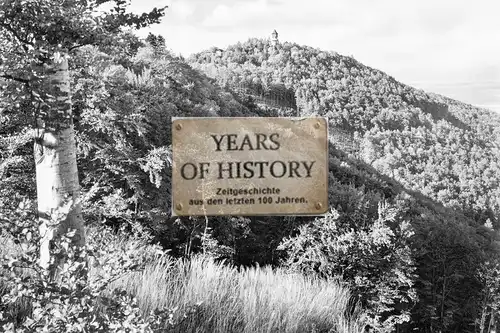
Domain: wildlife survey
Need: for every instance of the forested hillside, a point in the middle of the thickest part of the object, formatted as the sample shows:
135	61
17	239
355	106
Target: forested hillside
431	164
410	242
443	148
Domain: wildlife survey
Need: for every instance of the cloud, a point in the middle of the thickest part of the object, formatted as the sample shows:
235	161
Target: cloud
238	14
291	12
183	9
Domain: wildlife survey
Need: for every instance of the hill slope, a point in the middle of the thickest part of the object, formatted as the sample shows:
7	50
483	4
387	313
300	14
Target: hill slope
401	131
434	160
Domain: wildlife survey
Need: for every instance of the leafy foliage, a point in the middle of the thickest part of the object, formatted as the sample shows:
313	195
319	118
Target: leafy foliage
123	118
375	260
83	296
435	159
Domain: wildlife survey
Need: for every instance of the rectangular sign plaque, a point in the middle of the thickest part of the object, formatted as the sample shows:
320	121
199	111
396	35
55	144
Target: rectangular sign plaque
249	166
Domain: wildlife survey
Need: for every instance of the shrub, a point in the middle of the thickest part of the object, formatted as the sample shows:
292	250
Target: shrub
375	260
77	297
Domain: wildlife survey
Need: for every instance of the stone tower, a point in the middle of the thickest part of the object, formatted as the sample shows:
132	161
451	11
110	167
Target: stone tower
274	38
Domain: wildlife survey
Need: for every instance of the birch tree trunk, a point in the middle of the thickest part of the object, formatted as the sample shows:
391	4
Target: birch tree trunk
56	168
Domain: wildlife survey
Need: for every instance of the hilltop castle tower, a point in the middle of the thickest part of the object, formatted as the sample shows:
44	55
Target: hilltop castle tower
274	38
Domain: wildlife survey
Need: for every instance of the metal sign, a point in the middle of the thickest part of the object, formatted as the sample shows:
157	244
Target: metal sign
249	166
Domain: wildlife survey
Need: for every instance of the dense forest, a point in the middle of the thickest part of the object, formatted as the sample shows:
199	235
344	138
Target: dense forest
432	162
410	242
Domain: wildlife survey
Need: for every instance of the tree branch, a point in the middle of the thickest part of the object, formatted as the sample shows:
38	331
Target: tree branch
76	46
18	79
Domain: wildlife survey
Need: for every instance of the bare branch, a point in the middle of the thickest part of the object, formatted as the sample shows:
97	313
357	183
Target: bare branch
18	79
76	47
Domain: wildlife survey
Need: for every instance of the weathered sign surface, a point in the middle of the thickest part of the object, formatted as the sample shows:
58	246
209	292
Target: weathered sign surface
250	166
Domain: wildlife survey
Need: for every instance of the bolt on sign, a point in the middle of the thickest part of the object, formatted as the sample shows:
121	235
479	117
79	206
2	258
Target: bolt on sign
249	166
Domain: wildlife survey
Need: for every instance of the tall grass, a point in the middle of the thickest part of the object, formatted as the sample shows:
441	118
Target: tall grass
250	300
220	298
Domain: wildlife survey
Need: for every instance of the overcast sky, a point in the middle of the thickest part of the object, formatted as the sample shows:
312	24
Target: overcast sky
451	47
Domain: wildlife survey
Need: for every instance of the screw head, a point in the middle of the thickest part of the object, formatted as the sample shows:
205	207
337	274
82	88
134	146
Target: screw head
178	206
178	127
317	125
318	205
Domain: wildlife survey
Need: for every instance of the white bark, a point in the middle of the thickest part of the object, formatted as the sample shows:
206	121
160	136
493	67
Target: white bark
56	169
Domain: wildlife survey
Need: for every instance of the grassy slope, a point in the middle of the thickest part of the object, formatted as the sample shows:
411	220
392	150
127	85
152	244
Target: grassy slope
251	300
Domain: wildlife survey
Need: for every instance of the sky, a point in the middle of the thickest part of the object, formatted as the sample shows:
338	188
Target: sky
450	47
